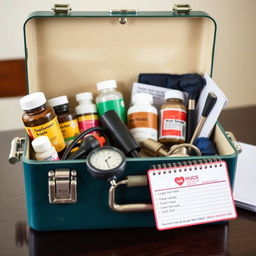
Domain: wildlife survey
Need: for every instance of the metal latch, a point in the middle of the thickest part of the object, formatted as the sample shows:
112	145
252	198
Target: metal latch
123	20
182	8
62	185
234	141
61	8
16	150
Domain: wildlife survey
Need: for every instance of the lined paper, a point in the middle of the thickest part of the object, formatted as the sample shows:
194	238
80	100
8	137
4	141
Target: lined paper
191	195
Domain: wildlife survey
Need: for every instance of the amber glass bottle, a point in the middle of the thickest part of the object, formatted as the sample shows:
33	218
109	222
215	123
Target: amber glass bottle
173	116
66	117
40	120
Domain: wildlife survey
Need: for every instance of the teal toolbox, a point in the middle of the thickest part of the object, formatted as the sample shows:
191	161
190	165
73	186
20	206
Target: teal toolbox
67	53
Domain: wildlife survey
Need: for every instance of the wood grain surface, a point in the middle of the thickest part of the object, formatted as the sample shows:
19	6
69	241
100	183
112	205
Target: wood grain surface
12	78
236	238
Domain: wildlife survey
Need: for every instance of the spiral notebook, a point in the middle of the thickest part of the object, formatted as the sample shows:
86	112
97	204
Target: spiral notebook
190	193
244	186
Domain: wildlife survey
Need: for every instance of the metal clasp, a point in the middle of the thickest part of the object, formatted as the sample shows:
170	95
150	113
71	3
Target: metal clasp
182	8
123	12
130	181
61	8
16	150
62	185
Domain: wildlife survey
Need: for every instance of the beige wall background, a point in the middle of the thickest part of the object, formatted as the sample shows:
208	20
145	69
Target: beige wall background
235	54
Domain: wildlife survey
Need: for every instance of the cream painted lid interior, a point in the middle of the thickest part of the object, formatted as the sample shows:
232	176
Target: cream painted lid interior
66	56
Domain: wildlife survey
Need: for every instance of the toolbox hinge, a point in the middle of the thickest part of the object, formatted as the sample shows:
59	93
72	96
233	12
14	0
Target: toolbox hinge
182	8
61	8
62	185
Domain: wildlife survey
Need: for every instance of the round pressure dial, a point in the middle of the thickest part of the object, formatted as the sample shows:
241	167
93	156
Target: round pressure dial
106	163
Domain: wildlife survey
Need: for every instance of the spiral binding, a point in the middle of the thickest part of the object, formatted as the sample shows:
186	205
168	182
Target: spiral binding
190	165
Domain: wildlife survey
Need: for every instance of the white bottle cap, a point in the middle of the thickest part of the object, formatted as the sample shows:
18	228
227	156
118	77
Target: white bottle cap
145	98
106	85
174	94
84	96
41	144
33	100
85	109
58	101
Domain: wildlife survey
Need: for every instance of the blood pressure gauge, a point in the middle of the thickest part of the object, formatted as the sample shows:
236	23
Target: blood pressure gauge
106	163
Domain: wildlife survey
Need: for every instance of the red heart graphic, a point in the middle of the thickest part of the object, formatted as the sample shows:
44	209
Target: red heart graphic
179	180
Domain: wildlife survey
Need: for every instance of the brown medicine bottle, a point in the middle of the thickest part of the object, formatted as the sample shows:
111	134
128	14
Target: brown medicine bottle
173	115
40	120
66	117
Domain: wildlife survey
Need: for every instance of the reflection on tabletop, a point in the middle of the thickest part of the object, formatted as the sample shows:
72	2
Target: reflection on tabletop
198	240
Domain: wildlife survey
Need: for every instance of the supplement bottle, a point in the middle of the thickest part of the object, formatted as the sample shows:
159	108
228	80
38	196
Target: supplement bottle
142	117
44	150
173	116
86	112
110	99
40	120
66	118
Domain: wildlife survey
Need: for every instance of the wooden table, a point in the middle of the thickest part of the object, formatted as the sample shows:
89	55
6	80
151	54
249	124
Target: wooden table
238	237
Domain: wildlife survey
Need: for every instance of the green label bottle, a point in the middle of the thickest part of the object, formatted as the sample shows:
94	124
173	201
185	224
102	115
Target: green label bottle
110	99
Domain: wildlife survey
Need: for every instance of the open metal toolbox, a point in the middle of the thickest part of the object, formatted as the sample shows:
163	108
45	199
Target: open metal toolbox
67	53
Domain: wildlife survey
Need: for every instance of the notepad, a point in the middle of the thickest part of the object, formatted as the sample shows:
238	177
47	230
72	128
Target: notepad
221	102
244	187
193	194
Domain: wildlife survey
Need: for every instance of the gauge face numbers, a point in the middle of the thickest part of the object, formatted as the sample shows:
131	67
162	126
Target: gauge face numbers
106	159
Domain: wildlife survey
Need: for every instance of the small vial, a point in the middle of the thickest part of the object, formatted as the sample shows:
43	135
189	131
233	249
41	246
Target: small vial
173	115
44	150
86	112
110	99
40	120
142	117
66	118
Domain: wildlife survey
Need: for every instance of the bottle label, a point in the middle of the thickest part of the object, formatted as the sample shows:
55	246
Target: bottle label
54	157
51	130
142	119
69	130
173	123
87	121
143	125
117	105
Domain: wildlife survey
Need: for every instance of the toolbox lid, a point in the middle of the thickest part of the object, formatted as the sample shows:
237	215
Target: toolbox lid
71	53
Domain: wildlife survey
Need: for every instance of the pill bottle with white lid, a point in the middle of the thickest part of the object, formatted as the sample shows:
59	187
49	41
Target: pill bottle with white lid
66	118
86	112
110	99
44	150
142	117
173	115
40	120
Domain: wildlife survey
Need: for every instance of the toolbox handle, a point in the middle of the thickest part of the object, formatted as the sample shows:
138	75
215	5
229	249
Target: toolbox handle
16	150
123	11
130	181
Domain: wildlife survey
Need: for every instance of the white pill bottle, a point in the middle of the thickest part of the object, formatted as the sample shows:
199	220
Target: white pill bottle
142	117
44	150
